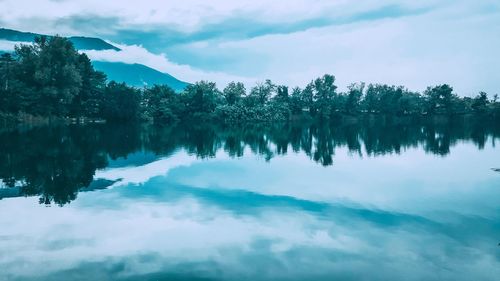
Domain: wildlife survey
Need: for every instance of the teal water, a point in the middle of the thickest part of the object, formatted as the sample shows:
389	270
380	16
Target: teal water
369	201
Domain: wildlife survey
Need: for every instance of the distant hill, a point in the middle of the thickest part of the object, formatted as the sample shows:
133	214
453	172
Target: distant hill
14	35
88	43
137	75
81	43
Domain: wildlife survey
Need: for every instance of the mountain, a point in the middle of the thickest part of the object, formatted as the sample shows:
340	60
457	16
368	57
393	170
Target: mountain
14	35
137	75
81	43
88	43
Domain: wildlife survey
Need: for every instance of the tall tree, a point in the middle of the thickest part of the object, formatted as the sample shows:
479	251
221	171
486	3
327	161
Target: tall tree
480	103
233	92
9	101
324	92
201	99
296	103
262	92
162	104
439	99
88	100
282	95
120	102
354	95
57	76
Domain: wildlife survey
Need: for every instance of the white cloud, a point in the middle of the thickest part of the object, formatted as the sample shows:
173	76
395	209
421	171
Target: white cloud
453	42
9	45
141	174
138	54
185	15
440	47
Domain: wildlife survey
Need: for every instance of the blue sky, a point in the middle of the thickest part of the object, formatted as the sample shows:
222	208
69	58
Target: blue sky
411	43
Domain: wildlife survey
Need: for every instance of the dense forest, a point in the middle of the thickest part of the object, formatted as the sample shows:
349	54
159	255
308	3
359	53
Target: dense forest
50	79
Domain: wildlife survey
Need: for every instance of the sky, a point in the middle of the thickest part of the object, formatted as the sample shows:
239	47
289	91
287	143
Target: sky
182	215
411	43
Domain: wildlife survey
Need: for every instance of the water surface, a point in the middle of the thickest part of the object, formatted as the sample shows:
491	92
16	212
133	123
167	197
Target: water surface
365	201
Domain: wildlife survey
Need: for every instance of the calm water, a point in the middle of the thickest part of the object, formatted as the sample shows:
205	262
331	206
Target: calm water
372	201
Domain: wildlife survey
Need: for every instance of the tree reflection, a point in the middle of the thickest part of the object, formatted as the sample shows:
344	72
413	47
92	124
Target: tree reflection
57	162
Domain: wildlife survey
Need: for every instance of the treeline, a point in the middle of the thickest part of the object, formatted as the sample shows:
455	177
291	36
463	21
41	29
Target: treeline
50	78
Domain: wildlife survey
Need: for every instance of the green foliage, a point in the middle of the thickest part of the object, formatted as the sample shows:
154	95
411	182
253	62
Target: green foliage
50	78
121	102
54	75
234	92
161	104
260	94
274	111
88	100
480	103
296	103
282	95
391	100
324	92
9	100
353	100
200	100
440	99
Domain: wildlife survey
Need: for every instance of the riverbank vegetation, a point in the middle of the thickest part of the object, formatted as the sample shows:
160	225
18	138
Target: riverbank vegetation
51	80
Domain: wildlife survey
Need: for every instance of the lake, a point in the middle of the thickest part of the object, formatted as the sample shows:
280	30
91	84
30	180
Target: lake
370	200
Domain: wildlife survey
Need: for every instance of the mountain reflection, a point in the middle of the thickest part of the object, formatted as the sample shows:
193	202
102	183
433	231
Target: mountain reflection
57	162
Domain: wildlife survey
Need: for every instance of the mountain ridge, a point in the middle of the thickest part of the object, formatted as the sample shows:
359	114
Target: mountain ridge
136	74
80	42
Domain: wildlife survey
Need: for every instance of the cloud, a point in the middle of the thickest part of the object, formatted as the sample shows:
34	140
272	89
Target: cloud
246	26
460	50
132	54
191	15
8	46
415	43
141	174
137	54
163	229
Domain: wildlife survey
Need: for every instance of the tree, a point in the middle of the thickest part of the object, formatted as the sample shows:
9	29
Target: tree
439	99
9	101
480	103
50	78
354	95
410	103
296	103
307	99
282	95
88	100
56	77
234	92
261	93
200	99
162	104
324	92
371	100
121	102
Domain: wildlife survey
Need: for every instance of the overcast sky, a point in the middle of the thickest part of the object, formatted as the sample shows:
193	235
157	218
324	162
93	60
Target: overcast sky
411	43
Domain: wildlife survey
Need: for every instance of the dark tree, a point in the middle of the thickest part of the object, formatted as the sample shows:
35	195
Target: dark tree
234	92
